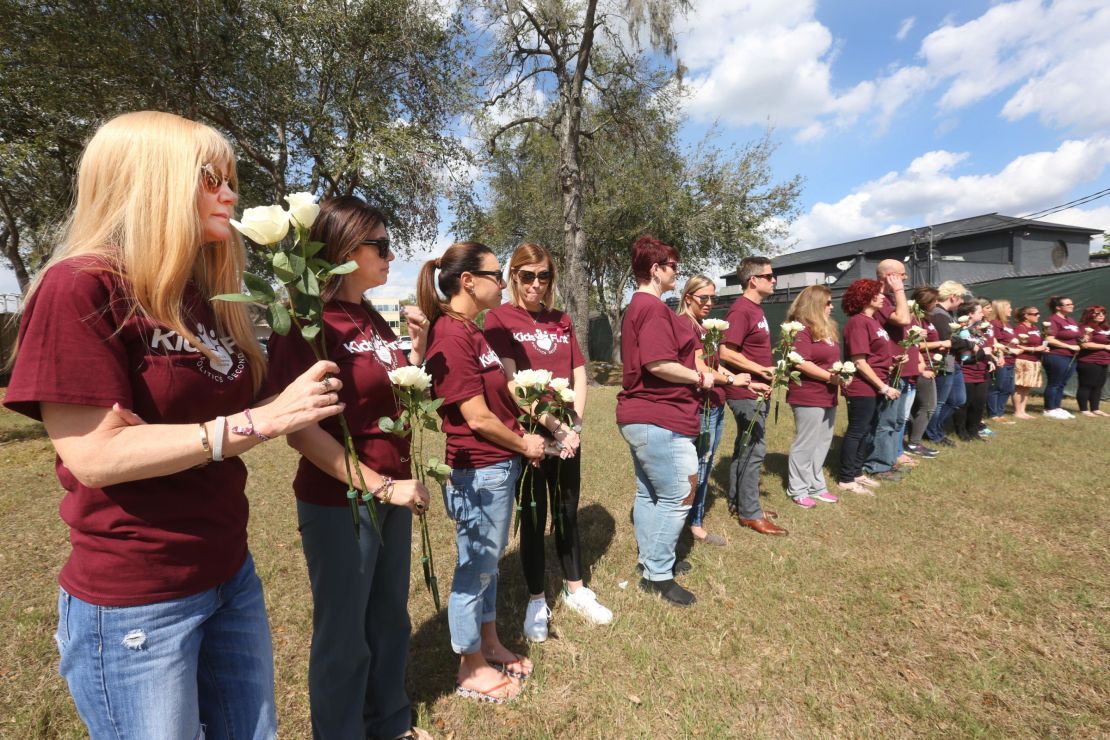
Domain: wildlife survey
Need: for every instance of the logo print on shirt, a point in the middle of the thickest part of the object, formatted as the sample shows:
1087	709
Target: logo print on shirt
489	358
881	334
227	362
382	349
544	341
764	325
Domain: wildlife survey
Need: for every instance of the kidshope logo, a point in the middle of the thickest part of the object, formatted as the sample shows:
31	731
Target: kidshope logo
489	358
382	350
881	334
544	341
226	362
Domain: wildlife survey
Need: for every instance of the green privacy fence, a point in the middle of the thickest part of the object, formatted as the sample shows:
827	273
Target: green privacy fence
1085	287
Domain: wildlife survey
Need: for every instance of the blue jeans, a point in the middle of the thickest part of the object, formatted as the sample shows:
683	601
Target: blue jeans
1057	373
716	425
666	467
1000	390
954	396
909	392
884	449
173	669
480	501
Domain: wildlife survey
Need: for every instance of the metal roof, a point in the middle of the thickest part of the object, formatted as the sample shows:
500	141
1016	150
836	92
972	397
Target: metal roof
991	222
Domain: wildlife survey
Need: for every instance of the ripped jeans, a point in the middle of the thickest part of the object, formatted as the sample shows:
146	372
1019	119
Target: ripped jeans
197	667
480	501
666	467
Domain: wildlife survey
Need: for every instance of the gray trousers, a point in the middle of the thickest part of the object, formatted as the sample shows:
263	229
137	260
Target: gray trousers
812	437
924	403
360	621
743	485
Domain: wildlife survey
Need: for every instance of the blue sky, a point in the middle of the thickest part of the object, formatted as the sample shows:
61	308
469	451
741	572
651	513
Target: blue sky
900	114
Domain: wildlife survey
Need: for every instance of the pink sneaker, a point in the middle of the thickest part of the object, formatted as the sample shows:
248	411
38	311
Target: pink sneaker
827	497
805	502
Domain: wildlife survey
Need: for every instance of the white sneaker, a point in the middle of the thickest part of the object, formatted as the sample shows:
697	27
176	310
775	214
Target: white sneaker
536	619
584	601
1067	414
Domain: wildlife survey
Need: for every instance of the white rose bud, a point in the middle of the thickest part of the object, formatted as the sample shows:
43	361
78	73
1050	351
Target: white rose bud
303	208
849	367
410	376
559	384
263	225
566	395
715	324
795	358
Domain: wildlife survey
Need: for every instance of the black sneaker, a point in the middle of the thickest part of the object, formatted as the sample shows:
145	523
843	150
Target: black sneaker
669	591
944	442
921	451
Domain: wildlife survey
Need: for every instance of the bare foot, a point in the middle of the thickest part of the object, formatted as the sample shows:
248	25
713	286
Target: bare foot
1100	412
488	680
1088	413
1022	416
500	654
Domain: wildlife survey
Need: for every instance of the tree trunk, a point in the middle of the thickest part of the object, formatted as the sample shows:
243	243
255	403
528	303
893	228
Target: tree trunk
9	235
574	236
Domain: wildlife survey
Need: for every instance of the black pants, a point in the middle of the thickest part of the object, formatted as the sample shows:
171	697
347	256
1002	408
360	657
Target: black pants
1090	380
863	416
542	481
968	418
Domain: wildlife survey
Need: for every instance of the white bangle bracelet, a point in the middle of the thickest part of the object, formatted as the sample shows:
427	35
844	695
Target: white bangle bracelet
218	439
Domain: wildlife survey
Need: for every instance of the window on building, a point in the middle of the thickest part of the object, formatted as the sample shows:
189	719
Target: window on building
1060	253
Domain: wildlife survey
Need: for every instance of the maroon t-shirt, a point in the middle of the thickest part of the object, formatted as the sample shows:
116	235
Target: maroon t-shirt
1096	356
651	332
1065	330
930	337
716	394
911	367
361	343
540	341
1003	335
749	333
1029	336
154	539
462	366
975	372
864	335
814	392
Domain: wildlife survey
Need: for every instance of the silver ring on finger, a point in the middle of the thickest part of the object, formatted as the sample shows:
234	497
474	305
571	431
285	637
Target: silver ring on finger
326	382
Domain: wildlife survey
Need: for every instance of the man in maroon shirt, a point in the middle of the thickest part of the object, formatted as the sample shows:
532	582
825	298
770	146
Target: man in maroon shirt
747	348
895	316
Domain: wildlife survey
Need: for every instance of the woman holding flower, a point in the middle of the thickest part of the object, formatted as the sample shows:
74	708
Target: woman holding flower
868	346
1094	357
695	304
485	447
1027	363
657	412
528	334
814	400
1062	335
1005	336
931	361
976	363
162	624
360	586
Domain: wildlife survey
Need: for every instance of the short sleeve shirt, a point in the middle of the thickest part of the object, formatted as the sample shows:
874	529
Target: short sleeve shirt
463	366
748	333
1099	335
361	343
1005	335
864	335
651	332
1065	330
1029	336
540	341
154	539
813	392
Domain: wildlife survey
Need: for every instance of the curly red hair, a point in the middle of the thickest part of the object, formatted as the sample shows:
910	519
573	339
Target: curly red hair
859	294
1089	317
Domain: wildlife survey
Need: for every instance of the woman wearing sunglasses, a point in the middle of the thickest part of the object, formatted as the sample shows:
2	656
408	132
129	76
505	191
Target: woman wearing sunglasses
528	334
1092	361
1062	335
1027	365
485	447
360	586
162	624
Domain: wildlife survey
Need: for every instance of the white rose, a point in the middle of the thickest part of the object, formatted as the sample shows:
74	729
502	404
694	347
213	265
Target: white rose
263	225
532	379
715	324
566	395
303	208
543	378
837	366
955	326
792	327
559	384
964	319
410	376
938	357
911	304
849	367
795	358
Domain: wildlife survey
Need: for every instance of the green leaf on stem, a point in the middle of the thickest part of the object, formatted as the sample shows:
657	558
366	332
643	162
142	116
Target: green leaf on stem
283	267
259	288
277	316
310	332
308	284
431	425
385	424
345	268
234	298
311	248
430	406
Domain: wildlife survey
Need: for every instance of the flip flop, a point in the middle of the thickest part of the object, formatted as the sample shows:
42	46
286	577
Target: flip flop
488	695
712	539
504	668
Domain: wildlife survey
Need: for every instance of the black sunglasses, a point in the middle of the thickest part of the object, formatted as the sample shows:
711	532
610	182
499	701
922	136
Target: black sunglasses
766	276
528	277
703	299
382	245
496	274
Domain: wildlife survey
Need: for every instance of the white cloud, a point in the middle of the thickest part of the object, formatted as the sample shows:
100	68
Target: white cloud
1094	218
931	190
905	28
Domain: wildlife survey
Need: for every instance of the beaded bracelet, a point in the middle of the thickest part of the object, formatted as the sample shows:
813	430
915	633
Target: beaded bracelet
249	430
387	486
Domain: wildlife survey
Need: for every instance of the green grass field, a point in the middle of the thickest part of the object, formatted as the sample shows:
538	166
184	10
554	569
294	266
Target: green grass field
970	599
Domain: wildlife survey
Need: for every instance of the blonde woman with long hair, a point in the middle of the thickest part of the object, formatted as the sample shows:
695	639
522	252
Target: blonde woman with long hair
147	390
813	401
695	304
528	333
1006	338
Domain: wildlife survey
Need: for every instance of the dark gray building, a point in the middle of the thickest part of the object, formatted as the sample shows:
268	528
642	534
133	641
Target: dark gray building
970	250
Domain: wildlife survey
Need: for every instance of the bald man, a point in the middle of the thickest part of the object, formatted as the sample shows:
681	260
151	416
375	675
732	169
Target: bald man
895	316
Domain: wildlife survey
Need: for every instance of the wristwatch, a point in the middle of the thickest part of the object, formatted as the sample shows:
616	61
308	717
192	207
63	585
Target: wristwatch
730	379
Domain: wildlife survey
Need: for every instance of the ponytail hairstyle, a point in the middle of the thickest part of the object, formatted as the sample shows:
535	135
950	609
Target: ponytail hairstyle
460	257
529	253
693	285
1054	302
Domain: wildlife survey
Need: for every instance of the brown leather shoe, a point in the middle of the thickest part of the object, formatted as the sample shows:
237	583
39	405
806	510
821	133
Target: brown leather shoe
763	526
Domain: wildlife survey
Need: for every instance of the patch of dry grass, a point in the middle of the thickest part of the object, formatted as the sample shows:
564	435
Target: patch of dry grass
971	599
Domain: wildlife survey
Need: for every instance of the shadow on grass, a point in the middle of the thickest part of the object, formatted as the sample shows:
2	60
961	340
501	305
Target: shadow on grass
22	434
434	665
